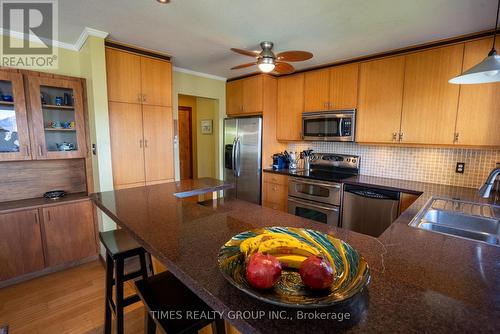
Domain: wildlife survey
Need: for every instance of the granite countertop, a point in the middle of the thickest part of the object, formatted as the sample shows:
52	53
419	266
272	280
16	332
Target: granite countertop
421	281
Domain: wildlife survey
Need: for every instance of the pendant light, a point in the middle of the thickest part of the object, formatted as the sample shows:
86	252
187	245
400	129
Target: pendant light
486	71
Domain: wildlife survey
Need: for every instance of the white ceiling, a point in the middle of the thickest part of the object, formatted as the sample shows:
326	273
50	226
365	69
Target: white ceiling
199	33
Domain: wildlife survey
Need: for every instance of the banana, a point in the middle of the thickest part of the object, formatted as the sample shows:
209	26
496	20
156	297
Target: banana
251	245
286	246
291	261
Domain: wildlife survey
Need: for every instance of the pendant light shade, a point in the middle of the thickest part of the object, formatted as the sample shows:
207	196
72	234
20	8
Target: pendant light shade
487	71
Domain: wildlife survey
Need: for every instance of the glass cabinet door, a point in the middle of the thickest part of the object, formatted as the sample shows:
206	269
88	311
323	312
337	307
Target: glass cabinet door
14	137
57	117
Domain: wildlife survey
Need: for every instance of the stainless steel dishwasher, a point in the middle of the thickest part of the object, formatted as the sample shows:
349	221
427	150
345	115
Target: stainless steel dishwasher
368	210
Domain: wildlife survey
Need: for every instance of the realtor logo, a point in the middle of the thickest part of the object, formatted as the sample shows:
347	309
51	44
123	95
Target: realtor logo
29	29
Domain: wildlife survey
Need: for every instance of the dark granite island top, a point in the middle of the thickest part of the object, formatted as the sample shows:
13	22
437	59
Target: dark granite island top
421	281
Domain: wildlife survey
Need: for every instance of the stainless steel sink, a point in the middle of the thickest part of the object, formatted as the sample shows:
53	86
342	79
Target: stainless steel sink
475	221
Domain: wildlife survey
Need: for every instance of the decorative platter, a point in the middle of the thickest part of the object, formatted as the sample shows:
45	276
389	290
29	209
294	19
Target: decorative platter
352	273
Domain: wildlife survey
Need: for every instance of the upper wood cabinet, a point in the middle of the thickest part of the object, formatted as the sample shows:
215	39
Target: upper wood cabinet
69	233
14	134
290	107
245	96
378	117
317	90
21	249
478	119
123	69
156	82
333	88
138	79
57	118
429	101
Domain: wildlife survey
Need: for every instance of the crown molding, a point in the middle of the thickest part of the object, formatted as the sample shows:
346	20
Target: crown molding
86	32
199	74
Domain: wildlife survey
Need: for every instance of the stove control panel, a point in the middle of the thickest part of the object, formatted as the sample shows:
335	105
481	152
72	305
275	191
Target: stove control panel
334	161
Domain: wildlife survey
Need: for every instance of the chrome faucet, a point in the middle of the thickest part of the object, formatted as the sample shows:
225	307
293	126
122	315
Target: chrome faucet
485	190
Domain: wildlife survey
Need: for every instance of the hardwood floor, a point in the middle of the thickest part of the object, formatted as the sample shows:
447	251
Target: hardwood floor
70	301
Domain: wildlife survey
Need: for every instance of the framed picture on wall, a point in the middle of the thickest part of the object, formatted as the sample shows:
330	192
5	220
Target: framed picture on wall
206	127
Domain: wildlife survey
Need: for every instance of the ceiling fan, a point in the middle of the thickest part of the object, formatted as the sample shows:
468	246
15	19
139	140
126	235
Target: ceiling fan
268	62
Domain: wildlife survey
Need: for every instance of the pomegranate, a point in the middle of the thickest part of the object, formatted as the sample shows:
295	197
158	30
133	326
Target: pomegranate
316	273
263	271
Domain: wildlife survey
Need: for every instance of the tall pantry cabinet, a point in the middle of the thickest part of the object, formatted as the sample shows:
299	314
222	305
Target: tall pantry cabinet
140	112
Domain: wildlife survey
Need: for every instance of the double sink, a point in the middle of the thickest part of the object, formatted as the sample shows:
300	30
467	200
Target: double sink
474	221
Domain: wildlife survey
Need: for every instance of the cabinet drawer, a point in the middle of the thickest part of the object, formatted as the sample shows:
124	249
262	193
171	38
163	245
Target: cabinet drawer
276	206
276	178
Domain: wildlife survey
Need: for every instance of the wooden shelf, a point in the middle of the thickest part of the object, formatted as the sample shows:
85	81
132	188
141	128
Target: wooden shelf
6	103
61	129
53	106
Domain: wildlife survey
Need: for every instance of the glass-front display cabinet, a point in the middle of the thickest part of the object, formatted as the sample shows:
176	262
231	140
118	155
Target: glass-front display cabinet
57	118
14	134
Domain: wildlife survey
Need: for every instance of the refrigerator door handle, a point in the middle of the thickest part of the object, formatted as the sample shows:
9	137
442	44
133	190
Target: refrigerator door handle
238	156
233	160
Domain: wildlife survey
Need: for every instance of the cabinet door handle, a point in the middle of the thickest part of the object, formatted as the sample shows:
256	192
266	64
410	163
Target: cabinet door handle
27	151
139	97
144	99
455	137
48	215
145	143
394	136
36	218
401	134
40	150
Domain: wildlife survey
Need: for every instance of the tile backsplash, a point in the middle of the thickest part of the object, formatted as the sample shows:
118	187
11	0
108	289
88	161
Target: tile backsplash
433	165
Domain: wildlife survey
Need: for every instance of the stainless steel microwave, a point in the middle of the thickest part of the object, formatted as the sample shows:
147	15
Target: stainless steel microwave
329	125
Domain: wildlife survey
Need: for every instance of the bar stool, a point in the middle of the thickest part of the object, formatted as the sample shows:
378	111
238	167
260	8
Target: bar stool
164	294
119	247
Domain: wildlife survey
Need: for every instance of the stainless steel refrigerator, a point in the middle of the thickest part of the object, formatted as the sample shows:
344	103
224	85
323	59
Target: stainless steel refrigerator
243	157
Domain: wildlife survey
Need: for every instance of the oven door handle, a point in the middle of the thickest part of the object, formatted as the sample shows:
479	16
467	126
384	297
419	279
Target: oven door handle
316	206
327	185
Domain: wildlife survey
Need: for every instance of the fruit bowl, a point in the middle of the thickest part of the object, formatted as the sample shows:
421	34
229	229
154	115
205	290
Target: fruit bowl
352	273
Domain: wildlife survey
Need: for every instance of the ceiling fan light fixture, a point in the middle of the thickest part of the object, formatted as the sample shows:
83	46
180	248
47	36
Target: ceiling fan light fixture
163	1
266	65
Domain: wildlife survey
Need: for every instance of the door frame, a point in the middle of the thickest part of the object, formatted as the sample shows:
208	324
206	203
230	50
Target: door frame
190	113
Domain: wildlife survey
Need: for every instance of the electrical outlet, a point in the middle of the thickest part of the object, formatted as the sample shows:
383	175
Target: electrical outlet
460	167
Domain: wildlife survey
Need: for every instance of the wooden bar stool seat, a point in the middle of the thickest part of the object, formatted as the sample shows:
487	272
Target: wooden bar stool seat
119	247
168	305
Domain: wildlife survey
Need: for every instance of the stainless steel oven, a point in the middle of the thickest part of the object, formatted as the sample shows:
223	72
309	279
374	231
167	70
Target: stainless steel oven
329	125
316	200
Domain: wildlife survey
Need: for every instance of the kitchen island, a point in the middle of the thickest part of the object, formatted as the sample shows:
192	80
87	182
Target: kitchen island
421	281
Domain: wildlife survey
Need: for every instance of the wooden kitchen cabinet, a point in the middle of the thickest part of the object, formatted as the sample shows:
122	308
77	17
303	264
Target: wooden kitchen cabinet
127	142
275	191
429	101
317	90
46	137
478	118
21	249
245	96
141	129
15	141
69	233
290	107
156	82
334	88
405	201
378	118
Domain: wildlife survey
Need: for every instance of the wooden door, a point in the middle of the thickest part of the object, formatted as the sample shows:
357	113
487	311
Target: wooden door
21	249
156	82
252	95
58	120
123	71
380	101
290	107
127	142
429	101
14	133
478	119
344	87
185	143
158	143
317	90
69	233
234	97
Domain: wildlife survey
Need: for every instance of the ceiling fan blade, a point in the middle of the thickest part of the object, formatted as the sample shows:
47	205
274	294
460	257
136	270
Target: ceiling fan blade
294	55
283	68
243	66
246	52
